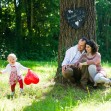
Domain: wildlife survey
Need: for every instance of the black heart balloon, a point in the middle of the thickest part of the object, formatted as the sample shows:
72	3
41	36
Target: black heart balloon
75	17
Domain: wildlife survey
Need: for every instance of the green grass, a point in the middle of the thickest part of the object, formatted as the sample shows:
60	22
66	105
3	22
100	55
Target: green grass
50	96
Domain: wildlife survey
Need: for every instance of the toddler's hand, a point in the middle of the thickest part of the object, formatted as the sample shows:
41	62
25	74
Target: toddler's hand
28	69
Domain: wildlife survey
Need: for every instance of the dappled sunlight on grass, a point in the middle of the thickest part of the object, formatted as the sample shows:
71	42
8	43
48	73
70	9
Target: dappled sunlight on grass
107	67
14	104
92	106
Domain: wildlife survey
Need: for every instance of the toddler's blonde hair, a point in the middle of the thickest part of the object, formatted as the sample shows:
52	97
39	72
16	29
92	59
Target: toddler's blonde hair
12	55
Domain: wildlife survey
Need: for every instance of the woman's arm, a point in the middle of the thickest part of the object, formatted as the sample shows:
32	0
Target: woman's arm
81	61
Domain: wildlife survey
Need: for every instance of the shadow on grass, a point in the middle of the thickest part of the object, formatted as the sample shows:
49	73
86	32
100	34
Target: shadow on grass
65	97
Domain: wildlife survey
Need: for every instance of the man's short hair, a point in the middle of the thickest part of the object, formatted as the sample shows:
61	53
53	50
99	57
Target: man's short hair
84	39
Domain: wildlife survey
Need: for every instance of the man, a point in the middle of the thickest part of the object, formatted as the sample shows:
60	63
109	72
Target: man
74	74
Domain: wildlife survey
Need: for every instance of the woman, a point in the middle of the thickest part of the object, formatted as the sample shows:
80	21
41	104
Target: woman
92	56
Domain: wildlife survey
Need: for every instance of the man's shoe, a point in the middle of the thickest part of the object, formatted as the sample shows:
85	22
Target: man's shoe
84	87
94	87
108	84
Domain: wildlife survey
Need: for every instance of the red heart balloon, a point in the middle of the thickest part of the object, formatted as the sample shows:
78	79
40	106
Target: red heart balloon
31	77
27	81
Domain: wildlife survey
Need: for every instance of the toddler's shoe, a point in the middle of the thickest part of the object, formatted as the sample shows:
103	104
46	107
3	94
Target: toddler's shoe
21	92
12	94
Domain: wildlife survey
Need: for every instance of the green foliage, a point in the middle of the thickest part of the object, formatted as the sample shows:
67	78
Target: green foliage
35	42
104	27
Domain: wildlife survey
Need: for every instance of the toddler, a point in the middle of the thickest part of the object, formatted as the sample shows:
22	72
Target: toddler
13	68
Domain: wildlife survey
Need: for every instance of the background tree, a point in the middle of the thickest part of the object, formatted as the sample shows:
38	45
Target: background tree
32	25
18	27
104	27
69	35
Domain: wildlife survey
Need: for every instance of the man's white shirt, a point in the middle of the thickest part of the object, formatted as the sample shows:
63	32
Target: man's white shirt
72	55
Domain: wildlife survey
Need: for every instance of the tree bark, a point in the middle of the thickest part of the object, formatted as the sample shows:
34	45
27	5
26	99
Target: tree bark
1	19
18	32
29	12
69	35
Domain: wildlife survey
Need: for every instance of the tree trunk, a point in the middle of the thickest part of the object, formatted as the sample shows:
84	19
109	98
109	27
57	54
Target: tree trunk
0	11
18	32
69	35
29	12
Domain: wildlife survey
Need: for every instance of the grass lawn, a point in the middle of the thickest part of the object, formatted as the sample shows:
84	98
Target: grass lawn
50	96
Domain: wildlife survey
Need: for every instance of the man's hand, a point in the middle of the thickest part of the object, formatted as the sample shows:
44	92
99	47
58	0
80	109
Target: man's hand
80	65
71	65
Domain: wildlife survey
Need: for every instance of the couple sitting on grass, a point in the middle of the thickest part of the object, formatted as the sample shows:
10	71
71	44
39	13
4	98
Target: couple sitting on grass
82	63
